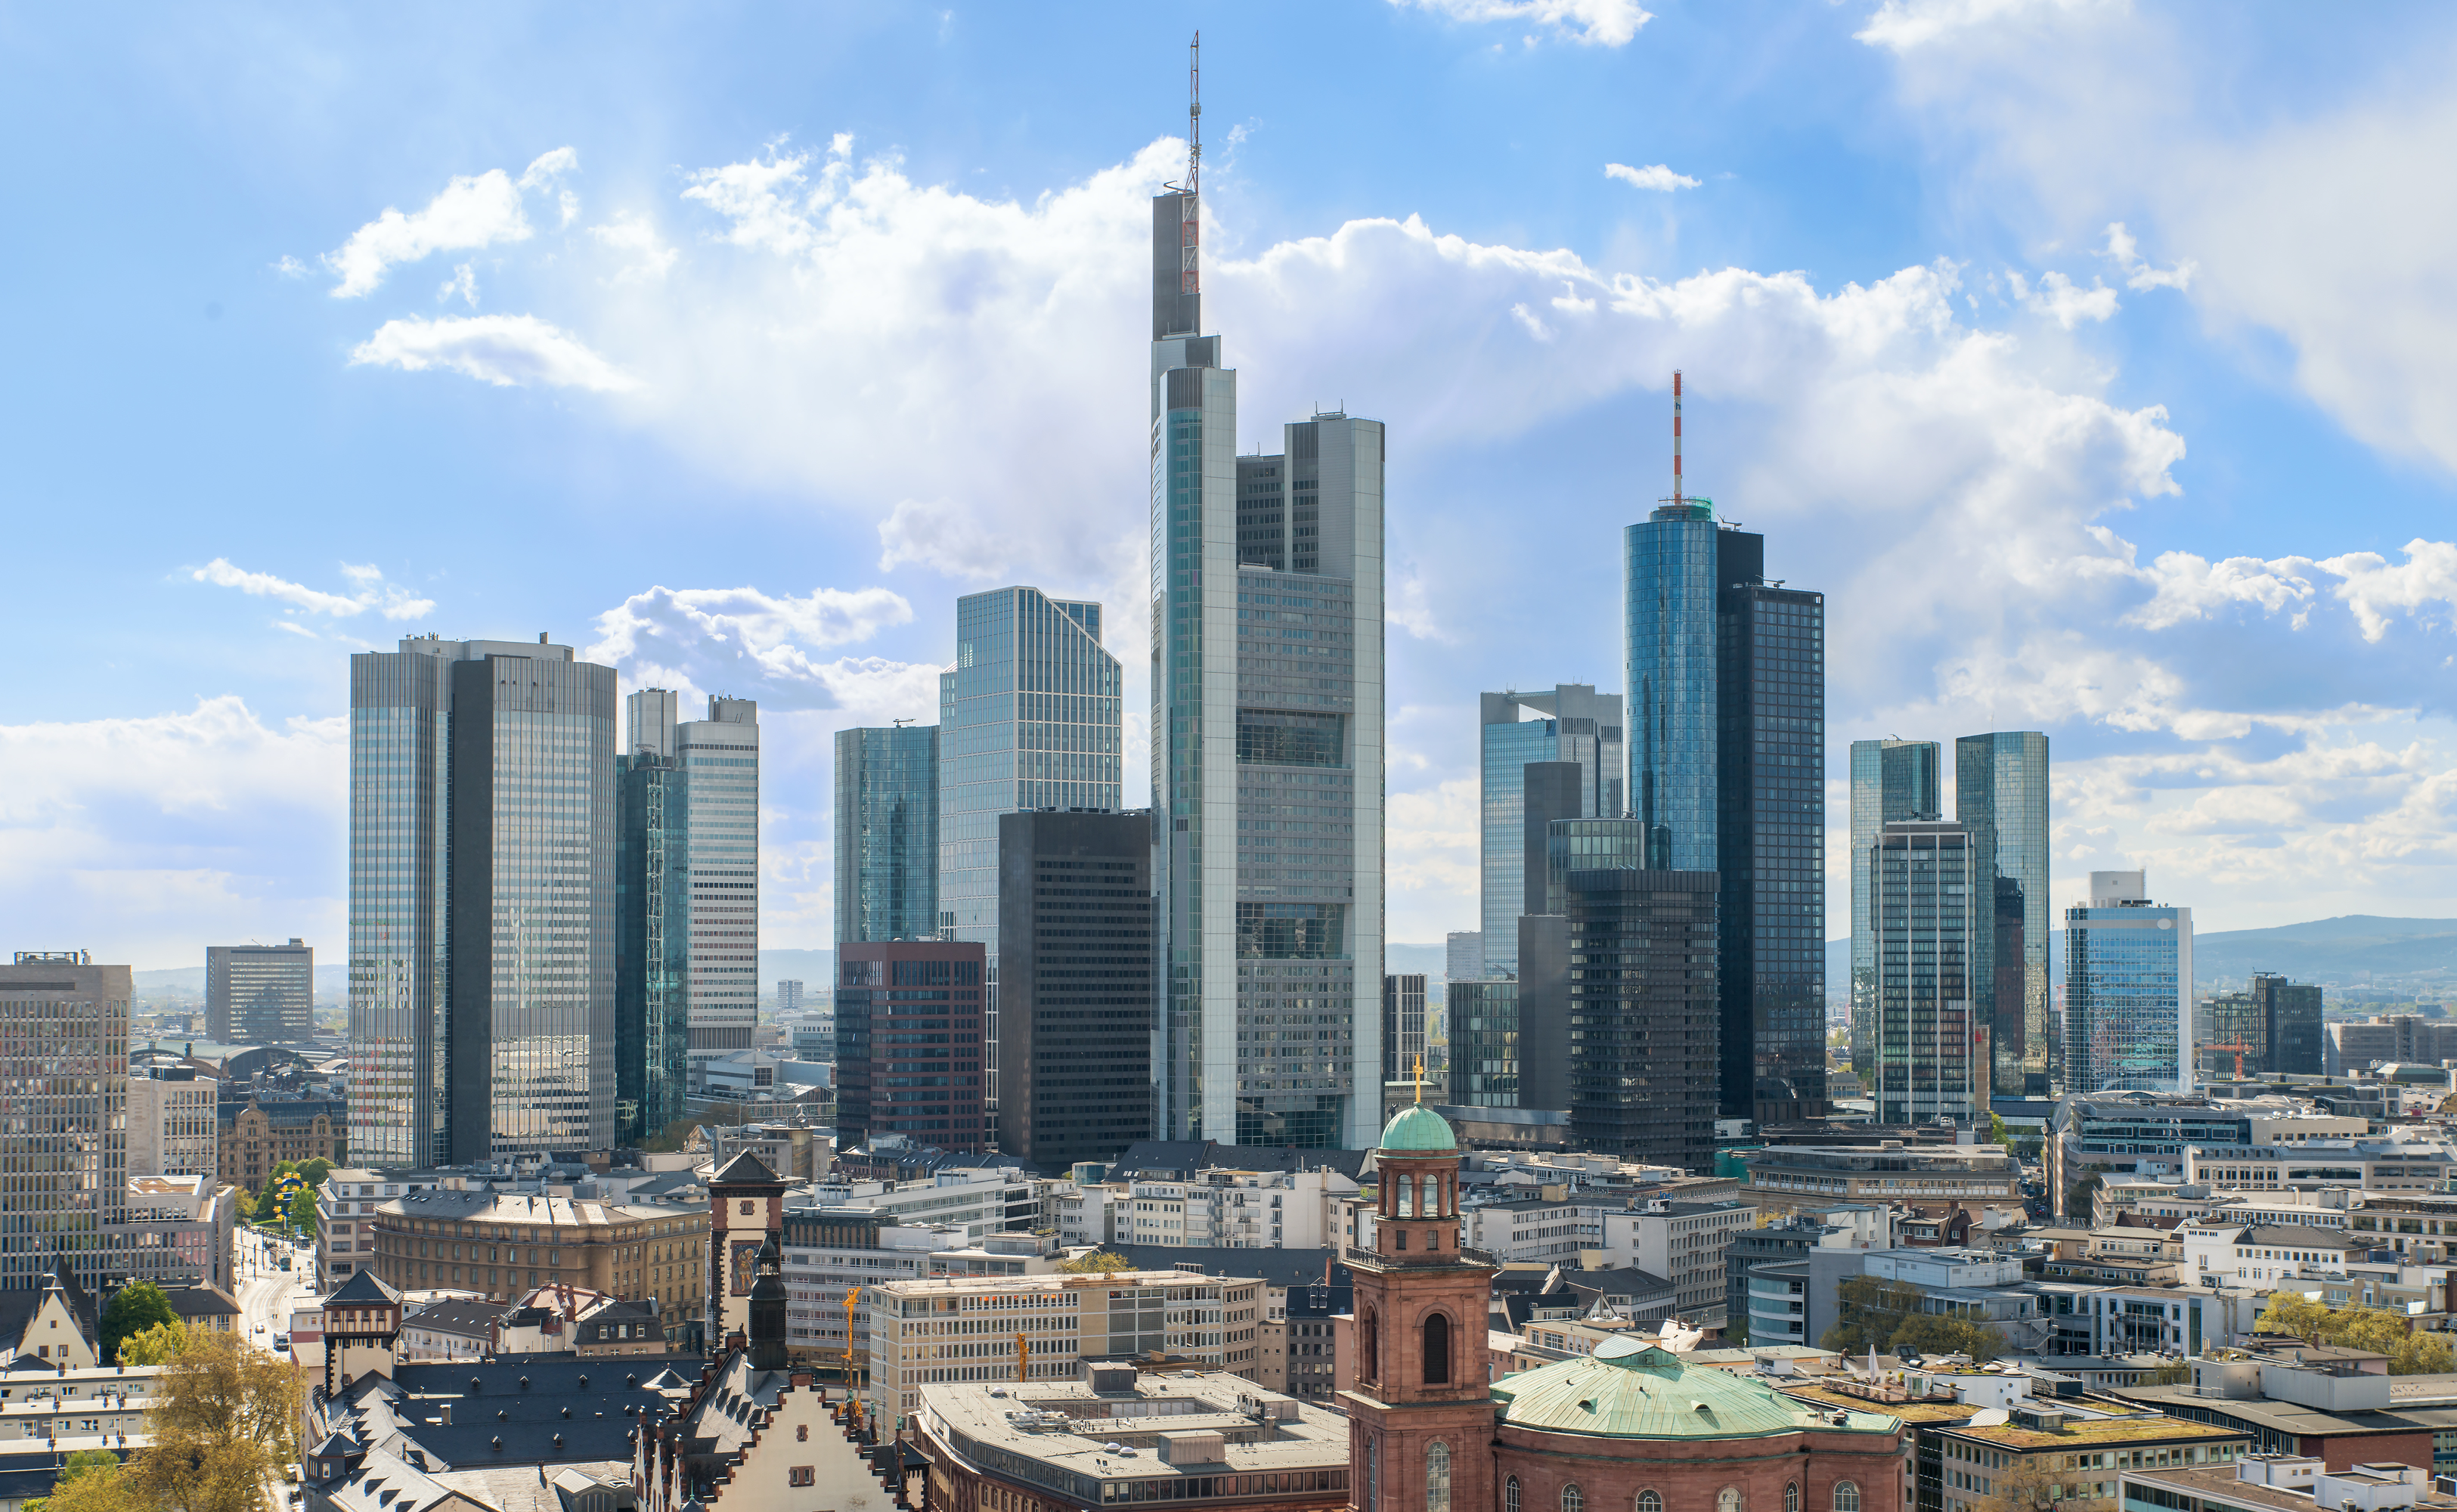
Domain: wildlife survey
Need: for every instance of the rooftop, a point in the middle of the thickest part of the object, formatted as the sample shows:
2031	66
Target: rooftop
1631	1389
1919	1413
2219	1484
1195	1423
2080	1432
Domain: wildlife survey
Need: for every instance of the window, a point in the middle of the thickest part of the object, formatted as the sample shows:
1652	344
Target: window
800	1475
1437	1477
1572	1499
1728	1500
1791	1497
1510	1495
1846	1497
1650	1502
801	1433
1437	1351
1372	1369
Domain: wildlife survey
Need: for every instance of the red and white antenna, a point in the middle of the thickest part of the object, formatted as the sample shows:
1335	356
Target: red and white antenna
1676	437
1190	265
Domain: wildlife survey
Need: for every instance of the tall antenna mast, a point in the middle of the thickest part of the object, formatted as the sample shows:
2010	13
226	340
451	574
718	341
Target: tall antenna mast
1190	265
1676	438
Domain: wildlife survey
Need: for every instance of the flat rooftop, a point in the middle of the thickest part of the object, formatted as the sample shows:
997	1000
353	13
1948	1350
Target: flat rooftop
2219	1483
1117	1434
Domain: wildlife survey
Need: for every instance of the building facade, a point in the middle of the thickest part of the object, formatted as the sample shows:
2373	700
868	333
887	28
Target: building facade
2128	990
172	1122
505	1245
1571	723
1075	1024
260	1134
261	994
1463	956
688	887
1029	718
1643	1022
1267	747
483	839
910	1034
887	833
1890	780
1403	1027
2000	796
1484	1043
1931	1048
63	1105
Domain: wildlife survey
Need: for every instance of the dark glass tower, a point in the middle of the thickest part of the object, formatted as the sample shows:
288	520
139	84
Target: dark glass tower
2000	796
1643	1014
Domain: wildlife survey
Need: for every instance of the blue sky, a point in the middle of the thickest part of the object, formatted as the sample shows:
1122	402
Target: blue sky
2101	364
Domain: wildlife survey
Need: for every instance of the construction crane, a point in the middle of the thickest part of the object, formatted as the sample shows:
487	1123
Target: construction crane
1023	1357
851	1294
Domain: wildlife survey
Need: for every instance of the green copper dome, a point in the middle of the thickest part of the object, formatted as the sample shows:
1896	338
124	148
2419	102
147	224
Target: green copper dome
1631	1389
1419	1127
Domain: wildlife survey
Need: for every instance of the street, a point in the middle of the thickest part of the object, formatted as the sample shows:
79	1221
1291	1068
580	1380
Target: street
267	1293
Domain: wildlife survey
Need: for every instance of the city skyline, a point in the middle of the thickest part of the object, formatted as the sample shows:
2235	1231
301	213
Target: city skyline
2086	418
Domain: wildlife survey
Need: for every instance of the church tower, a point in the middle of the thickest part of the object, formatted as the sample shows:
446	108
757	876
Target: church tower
746	1210
1420	1408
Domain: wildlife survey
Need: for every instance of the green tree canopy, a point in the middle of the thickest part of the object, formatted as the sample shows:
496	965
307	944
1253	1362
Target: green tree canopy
154	1346
303	1212
2411	1350
133	1308
1104	1262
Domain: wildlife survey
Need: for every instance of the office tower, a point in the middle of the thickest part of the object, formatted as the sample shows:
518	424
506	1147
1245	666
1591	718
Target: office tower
789	995
1642	1055
887	833
2290	1016
483	837
63	1109
261	994
1403	1027
1930	1045
1550	793
689	897
1727	677
1555	849
172	1127
2128	990
909	1040
1267	741
1075	990
1464	956
2000	796
1484	1044
1890	780
2230	1035
1572	723
1029	718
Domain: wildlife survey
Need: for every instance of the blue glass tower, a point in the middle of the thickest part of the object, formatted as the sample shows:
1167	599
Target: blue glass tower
2128	990
1573	723
2000	795
1671	571
887	833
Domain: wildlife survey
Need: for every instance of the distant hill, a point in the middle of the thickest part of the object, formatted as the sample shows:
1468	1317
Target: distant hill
2352	951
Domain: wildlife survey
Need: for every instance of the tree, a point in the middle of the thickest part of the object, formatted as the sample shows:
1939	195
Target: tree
1999	1134
2295	1314
133	1308
2411	1350
1932	1333
157	1345
1872	1312
1104	1262
90	1481
222	1419
303	1212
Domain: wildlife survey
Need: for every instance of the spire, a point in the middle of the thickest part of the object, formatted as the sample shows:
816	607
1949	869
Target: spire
1177	224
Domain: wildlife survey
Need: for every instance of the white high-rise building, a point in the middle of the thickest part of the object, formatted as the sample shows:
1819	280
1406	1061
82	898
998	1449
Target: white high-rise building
1267	744
714	861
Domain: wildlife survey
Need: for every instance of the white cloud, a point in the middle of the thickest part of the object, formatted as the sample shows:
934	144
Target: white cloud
464	282
143	839
752	643
505	350
371	591
1589	23
2062	301
2139	275
290	267
1903	25
470	213
2372	587
942	538
1656	177
550	167
2189	587
635	236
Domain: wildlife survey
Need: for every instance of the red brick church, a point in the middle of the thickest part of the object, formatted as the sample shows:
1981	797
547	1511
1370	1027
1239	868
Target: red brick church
1629	1428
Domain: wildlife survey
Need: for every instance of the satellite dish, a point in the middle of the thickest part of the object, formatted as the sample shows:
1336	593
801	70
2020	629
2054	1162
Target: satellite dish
1990	1417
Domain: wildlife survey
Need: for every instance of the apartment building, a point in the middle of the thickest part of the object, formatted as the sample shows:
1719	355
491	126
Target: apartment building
1784	1177
1235	1209
980	1328
981	1200
1684	1242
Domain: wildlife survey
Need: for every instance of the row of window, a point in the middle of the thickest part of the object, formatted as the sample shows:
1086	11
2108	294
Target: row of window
1846	1493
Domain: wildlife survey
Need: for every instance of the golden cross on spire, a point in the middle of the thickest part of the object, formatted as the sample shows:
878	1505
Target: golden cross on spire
1420	1076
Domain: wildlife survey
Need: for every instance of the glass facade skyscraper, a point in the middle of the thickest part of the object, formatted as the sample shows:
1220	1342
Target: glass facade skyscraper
1030	717
887	833
1890	780
1484	1043
2000	796
1642	1052
1572	723
688	935
2128	990
481	902
1267	591
1931	1046
1726	679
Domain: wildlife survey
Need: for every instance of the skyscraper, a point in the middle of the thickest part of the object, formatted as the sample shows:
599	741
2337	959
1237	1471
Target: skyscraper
1463	956
261	994
1484	1044
483	837
1075	996
2128	990
909	1042
1727	677
2000	796
1890	780
1931	1046
63	1117
1573	723
2290	1013
887	833
1403	1026
1267	743
1029	718
689	897
1643	1033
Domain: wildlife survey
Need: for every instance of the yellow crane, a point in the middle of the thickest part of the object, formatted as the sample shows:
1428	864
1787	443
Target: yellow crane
1023	1357
851	1293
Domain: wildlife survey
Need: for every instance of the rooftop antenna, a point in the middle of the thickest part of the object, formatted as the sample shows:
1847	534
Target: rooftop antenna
1190	276
1676	438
